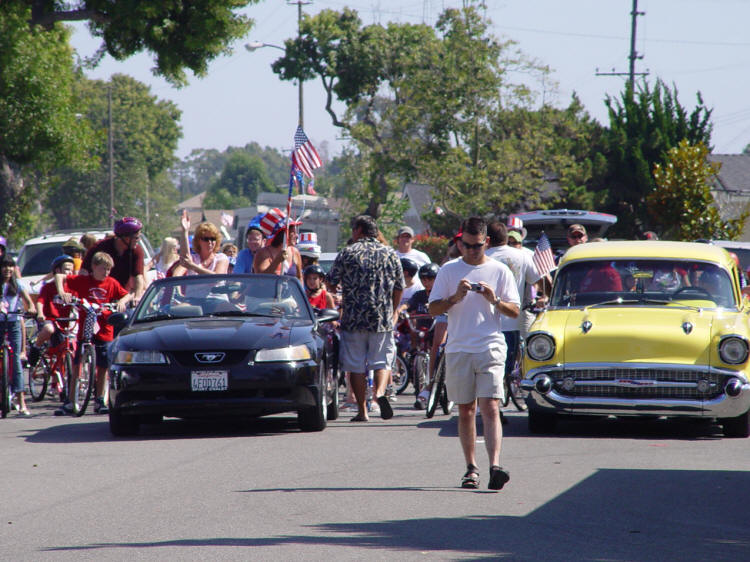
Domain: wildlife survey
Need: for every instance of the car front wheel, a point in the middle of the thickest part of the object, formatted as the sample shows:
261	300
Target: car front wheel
738	426
314	418
121	425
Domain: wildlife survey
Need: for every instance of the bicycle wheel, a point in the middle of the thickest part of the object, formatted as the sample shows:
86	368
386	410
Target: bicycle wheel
436	391
6	394
445	404
39	375
81	393
66	375
400	375
514	390
517	394
421	371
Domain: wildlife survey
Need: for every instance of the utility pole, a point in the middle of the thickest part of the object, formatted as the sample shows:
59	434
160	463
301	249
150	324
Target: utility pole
633	56
299	4
110	155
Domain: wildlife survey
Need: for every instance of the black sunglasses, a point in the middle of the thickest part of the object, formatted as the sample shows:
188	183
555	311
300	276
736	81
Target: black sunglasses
207	239
576	235
473	246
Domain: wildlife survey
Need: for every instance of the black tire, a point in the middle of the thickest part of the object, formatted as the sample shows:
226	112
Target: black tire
332	384
517	394
6	393
541	422
436	390
68	367
400	375
421	372
80	396
445	404
315	418
738	426
39	375
121	425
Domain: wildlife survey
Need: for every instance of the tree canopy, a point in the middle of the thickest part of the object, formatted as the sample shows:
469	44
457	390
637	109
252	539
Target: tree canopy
681	205
644	126
440	106
181	34
38	125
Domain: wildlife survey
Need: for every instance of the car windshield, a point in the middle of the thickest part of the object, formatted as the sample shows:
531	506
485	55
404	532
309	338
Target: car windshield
632	281
36	259
223	296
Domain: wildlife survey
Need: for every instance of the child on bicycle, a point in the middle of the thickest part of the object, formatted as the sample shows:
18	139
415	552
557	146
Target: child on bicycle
97	288
47	311
13	299
418	304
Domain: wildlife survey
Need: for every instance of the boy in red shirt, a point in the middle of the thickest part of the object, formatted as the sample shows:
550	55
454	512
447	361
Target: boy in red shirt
99	288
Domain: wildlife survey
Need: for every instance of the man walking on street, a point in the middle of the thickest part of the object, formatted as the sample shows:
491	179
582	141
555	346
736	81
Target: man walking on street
476	292
371	284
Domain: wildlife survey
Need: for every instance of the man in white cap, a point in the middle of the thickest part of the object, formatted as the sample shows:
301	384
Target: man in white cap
404	240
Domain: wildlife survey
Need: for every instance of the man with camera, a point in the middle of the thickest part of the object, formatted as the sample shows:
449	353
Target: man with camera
476	292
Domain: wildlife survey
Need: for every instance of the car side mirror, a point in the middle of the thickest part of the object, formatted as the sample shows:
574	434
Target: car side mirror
118	320
327	314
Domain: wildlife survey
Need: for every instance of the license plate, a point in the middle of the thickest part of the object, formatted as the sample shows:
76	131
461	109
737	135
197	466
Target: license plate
202	381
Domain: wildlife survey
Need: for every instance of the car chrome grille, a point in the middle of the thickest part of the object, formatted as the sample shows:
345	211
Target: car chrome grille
230	357
651	383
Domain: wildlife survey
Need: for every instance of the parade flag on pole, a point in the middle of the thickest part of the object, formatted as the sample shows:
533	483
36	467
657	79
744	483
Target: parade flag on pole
543	258
304	156
226	219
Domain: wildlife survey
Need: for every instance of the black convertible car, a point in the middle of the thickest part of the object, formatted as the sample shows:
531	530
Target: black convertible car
222	345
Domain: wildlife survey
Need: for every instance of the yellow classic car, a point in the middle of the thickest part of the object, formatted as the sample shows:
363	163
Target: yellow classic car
642	328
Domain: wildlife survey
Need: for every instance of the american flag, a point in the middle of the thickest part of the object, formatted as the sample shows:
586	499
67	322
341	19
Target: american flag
543	258
305	157
311	188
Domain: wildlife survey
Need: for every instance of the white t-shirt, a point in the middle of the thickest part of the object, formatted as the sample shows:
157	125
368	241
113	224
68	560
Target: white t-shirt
474	325
524	271
409	291
420	257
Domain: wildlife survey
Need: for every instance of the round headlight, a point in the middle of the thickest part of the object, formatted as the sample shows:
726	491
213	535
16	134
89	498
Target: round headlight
540	347
733	350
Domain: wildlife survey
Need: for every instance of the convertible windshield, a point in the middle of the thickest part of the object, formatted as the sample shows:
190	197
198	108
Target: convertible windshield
647	282
223	296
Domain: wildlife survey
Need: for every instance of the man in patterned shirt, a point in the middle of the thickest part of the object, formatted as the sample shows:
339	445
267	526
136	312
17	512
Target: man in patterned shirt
371	281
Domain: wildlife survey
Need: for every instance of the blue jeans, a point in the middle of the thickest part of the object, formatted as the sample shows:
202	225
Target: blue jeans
14	336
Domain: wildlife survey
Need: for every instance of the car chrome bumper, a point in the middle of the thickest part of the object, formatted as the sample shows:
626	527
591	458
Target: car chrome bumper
552	390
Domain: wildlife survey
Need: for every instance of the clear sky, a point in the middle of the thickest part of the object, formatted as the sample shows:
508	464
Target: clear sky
695	45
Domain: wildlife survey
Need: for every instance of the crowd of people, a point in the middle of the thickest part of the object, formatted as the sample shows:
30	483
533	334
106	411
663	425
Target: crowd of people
476	295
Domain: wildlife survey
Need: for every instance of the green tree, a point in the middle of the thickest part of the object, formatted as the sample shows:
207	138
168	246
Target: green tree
644	126
243	177
411	92
145	136
38	127
181	34
681	203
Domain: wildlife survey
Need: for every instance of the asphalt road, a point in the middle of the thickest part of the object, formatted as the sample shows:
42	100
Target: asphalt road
262	490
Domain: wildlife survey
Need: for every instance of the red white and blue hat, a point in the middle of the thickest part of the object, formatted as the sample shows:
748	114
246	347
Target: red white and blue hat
274	221
308	244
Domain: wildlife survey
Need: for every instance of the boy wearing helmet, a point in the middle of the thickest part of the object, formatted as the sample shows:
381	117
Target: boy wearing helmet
316	293
127	256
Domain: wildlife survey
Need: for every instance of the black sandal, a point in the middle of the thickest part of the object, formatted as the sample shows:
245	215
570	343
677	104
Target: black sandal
498	478
471	478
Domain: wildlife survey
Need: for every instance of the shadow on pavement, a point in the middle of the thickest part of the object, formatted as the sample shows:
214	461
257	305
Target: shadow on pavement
612	515
80	431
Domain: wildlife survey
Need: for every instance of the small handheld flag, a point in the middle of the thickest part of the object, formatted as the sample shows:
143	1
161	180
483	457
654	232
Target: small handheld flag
543	258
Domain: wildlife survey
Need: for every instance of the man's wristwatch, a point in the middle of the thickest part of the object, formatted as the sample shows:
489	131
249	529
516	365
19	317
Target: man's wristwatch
497	301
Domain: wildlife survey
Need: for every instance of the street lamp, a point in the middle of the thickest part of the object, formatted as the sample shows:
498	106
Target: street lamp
254	46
